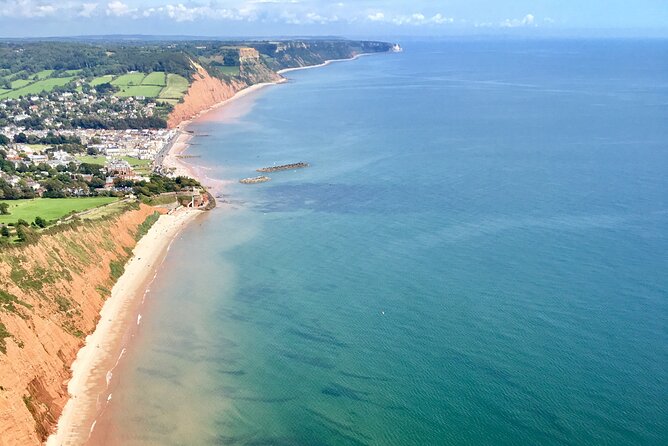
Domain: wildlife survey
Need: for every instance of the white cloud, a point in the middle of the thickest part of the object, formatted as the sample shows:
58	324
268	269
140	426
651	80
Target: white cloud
527	20
27	8
87	9
440	19
376	17
182	13
118	8
296	12
312	17
416	18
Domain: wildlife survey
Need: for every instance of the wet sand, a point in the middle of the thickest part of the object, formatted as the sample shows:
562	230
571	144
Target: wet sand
92	370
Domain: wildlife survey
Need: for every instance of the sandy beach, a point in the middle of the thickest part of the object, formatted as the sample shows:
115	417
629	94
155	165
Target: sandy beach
327	62
92	370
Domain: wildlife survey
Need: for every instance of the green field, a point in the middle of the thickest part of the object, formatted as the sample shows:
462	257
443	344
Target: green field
136	162
101	80
129	79
49	208
136	84
20	83
142	167
155	78
101	160
175	89
37	87
149	91
158	84
38	147
44	74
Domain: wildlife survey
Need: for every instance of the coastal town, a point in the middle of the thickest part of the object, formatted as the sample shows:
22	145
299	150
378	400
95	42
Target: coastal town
101	158
100	140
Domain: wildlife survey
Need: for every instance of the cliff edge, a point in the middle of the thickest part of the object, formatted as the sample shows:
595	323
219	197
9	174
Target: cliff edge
204	92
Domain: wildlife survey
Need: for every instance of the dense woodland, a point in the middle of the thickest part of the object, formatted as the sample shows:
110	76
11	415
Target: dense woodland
26	58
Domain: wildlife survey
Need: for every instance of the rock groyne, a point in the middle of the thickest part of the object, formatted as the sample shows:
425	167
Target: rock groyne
255	180
299	165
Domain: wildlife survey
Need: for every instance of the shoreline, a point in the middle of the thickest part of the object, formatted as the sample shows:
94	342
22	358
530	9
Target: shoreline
90	386
92	369
182	142
325	63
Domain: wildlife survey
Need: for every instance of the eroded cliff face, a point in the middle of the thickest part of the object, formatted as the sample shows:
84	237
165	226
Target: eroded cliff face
205	91
51	293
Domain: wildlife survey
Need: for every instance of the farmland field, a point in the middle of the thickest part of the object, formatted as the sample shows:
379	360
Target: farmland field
20	83
168	87
155	78
101	80
37	87
49	208
175	89
44	74
129	79
149	91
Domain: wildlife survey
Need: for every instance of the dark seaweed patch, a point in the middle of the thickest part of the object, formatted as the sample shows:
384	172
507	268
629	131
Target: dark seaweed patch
339	391
314	361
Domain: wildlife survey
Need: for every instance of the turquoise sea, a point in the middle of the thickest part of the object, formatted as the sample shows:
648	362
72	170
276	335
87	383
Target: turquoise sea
478	255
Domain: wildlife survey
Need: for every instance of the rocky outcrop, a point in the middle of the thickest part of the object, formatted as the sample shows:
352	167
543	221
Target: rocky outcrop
204	92
51	293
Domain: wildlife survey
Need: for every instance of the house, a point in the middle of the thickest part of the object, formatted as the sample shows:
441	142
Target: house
119	168
37	158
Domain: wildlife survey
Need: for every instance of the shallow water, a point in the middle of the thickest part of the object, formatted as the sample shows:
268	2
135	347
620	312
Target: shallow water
477	255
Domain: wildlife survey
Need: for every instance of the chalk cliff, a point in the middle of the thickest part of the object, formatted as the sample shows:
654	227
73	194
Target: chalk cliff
51	293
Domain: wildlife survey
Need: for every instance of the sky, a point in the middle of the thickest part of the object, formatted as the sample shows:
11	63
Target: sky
227	18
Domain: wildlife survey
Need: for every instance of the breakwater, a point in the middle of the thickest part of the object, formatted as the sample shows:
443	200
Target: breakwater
283	167
255	180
